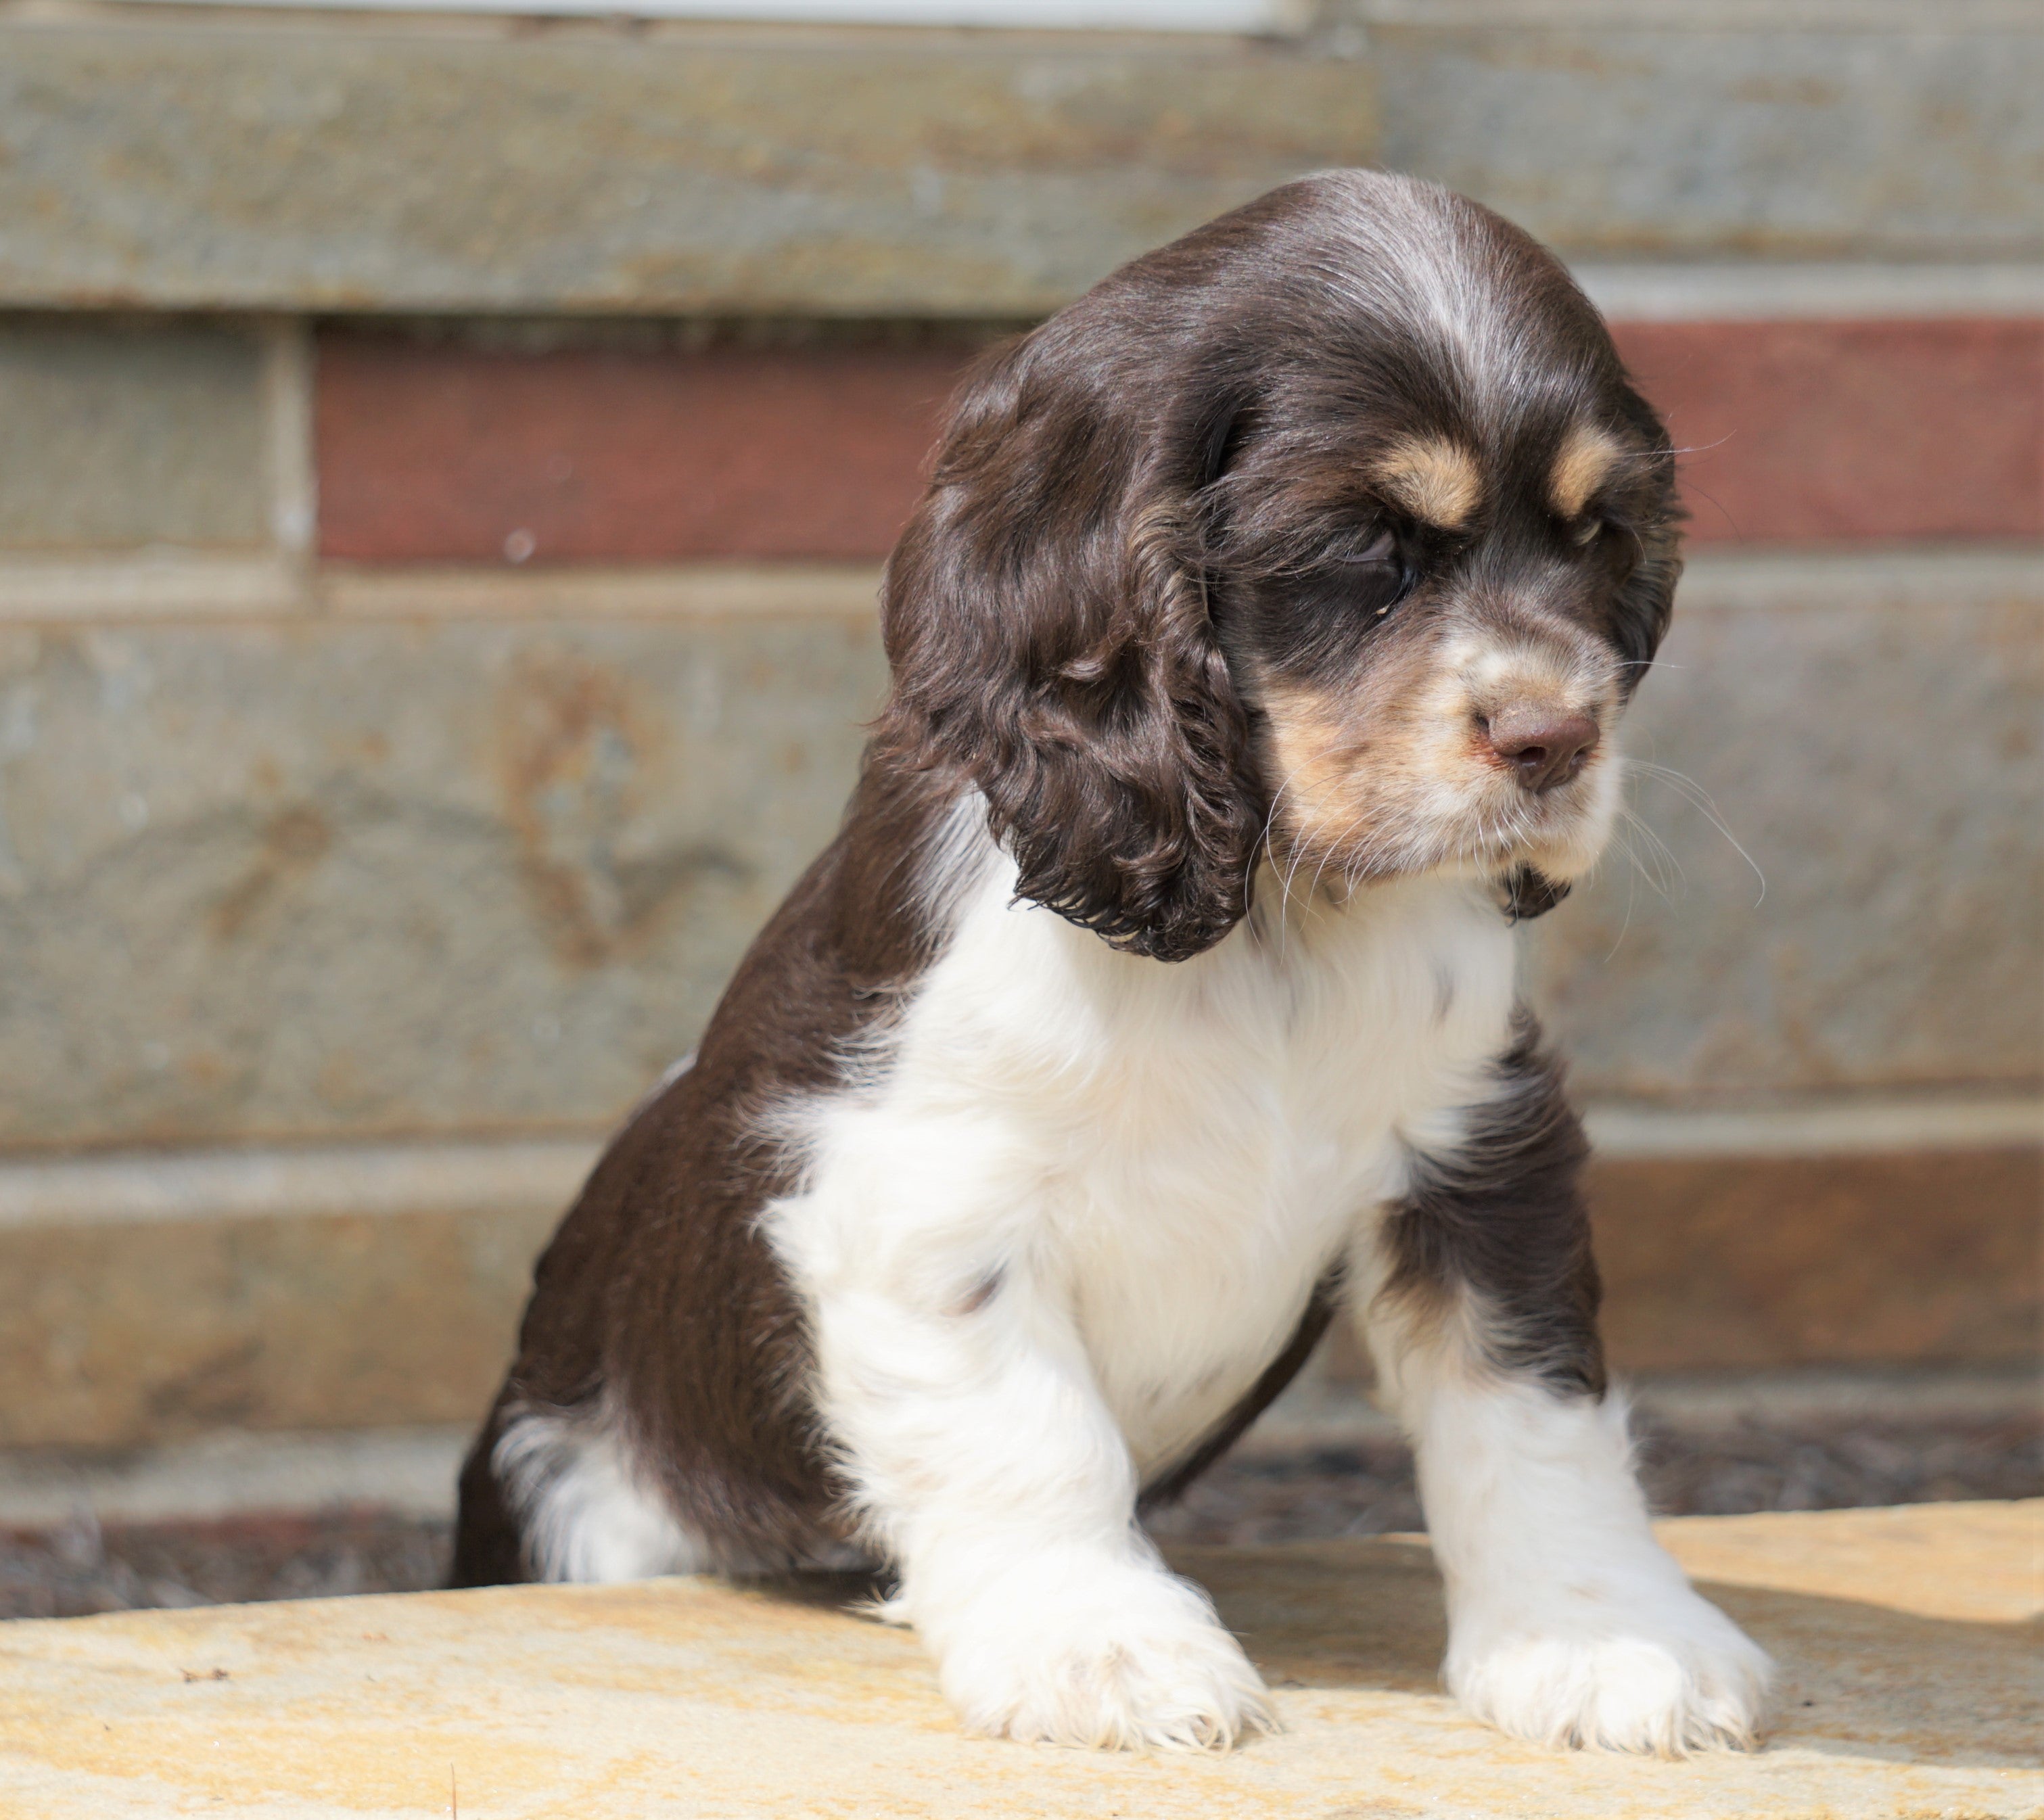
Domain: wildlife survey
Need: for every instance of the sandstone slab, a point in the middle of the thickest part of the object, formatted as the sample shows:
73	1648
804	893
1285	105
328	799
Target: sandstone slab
1858	130
1907	1641
293	879
118	434
492	165
484	865
148	1297
1835	835
369	166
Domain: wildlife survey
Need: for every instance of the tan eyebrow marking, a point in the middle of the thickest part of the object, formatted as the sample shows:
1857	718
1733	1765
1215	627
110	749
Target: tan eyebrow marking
1581	465
1433	479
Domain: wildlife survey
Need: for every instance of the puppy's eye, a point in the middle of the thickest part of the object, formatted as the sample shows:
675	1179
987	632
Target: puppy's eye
1382	549
1376	575
1588	531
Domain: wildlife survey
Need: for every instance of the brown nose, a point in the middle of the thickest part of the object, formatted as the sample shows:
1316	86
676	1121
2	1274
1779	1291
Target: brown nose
1544	747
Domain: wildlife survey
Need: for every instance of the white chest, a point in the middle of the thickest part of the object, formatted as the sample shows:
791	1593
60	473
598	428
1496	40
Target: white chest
1172	1154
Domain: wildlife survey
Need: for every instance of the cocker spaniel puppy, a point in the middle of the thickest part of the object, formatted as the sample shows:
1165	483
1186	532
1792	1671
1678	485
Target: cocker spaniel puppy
1259	652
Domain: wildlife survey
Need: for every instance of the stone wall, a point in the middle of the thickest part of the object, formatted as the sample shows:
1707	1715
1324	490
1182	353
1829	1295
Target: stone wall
443	470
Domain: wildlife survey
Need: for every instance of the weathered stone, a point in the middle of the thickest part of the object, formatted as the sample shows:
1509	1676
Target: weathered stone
1905	1639
690	169
113	435
159	1296
147	1296
1867	732
372	166
118	1335
1711	1262
424	876
394	876
1896	133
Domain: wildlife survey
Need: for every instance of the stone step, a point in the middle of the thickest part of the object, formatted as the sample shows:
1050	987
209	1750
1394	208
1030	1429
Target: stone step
614	166
148	1298
1903	1638
1710	1419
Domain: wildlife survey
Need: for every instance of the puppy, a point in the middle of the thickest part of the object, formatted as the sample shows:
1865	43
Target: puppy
1259	649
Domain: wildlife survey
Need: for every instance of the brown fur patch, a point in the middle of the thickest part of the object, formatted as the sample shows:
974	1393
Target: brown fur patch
1433	479
1352	760
1581	465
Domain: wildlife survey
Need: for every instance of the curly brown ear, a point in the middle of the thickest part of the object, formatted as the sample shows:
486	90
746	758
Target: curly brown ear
1049	635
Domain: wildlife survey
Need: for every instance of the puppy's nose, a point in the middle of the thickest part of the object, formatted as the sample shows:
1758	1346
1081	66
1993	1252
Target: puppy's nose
1543	746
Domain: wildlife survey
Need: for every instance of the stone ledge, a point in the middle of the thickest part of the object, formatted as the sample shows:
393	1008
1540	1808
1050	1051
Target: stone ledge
409	1473
599	167
1901	1635
177	588
713	169
151	1297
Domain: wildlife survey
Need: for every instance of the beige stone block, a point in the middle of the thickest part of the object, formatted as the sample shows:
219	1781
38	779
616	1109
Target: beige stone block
116	434
375	165
395	875
1730	1262
114	1336
148	1298
1767	131
1831	881
1905	1641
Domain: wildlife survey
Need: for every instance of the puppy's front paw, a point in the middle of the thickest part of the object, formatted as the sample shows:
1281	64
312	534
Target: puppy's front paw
1675	1676
1115	1658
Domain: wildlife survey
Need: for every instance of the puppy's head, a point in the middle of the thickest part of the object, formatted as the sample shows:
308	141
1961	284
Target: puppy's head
1333	528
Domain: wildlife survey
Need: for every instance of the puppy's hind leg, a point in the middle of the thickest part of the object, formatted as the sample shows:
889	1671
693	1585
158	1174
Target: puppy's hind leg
488	1549
1568	1624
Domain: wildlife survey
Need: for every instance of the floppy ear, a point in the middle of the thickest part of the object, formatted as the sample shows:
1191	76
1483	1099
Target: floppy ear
1047	626
1646	601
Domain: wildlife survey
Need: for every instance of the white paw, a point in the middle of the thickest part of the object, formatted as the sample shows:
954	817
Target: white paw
1675	1677
1114	1659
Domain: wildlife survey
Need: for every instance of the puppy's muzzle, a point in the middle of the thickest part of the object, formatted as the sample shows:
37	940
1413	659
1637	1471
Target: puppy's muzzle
1541	745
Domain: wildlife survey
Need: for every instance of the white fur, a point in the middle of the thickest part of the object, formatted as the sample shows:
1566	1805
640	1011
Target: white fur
1568	1624
583	1508
1154	1165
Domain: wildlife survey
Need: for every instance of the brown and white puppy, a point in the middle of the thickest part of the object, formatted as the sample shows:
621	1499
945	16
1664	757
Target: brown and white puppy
1258	649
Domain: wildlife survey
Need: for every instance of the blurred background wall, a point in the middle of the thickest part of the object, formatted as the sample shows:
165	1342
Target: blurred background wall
444	464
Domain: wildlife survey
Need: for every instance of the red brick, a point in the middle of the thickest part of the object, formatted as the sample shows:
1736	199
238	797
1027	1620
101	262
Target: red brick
429	453
1799	432
1813	432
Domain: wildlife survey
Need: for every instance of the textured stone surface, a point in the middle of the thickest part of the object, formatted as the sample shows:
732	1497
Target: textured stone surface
425	875
428	452
114	1336
1906	1640
117	435
705	169
1919	140
1866	432
276	880
1718	1261
690	169
351	1287
1868	733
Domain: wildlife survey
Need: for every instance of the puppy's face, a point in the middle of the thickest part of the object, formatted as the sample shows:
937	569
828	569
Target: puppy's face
1332	530
1429	617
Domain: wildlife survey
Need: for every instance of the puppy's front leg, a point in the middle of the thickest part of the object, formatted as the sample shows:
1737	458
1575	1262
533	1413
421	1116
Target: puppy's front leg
1568	1624
952	1376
